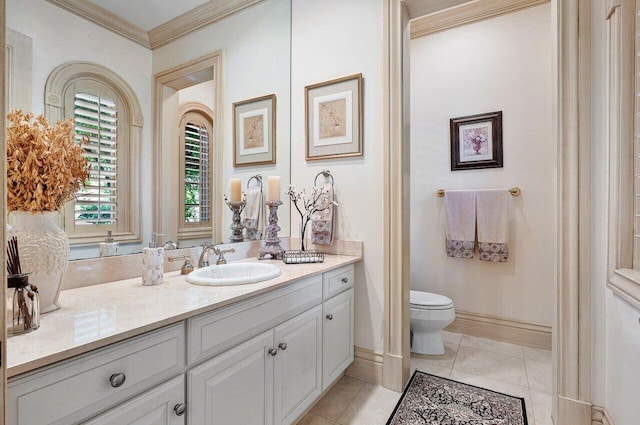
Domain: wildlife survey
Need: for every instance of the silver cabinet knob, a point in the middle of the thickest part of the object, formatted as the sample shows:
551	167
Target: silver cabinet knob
330	316
180	409
283	346
117	379
345	279
273	351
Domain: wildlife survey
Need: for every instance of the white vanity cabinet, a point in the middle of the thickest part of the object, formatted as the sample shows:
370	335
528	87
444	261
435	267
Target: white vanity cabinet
260	361
337	336
75	390
270	379
298	365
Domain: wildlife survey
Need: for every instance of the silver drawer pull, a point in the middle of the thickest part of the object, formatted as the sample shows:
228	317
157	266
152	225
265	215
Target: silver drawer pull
273	352
345	279
330	316
283	346
117	379
180	409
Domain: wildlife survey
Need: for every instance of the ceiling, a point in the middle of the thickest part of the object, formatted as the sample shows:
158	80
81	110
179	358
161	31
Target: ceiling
148	14
153	23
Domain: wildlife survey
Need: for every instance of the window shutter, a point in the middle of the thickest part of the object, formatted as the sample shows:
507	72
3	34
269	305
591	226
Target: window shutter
97	118
196	174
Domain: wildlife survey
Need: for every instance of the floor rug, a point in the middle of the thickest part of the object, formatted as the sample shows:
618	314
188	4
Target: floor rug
432	400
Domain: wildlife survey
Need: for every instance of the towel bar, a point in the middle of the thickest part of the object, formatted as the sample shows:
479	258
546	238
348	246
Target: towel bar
258	178
514	191
327	175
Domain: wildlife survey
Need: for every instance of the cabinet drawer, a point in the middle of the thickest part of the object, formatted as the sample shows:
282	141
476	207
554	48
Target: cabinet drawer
336	281
81	387
158	406
212	333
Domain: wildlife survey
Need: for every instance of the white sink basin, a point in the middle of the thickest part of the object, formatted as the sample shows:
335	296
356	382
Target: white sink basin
234	274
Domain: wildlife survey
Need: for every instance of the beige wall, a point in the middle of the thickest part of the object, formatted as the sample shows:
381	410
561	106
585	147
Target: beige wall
331	39
52	46
499	64
255	59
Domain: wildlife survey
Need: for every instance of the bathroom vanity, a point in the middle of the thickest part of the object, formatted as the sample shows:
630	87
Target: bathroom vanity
120	353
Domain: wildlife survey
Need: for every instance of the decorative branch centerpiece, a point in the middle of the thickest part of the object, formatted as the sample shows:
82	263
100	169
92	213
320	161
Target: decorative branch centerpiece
45	169
316	201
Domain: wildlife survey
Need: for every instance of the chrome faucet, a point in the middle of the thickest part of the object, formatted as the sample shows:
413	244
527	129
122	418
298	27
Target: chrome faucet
203	261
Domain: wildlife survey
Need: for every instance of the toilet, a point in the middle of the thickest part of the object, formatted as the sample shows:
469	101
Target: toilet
428	315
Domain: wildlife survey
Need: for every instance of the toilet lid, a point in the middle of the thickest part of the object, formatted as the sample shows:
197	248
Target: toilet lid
429	300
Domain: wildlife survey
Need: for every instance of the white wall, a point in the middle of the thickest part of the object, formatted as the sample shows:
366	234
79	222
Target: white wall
501	64
331	39
256	61
60	37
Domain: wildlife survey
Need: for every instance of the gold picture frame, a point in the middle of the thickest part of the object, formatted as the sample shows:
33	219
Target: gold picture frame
333	114
254	131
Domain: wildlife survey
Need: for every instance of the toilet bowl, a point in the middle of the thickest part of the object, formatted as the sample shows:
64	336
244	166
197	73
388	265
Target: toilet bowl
428	315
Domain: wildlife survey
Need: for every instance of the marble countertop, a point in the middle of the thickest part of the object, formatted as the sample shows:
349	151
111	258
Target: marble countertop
95	316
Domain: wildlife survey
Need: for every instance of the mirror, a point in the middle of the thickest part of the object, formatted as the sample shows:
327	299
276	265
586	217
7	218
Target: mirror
253	48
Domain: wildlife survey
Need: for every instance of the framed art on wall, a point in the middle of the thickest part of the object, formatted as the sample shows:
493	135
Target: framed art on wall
254	131
333	113
476	141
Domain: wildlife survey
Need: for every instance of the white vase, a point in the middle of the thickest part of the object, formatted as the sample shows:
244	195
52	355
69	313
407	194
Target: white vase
44	253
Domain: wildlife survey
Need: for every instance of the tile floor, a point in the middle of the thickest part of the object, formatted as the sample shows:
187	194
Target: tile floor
499	366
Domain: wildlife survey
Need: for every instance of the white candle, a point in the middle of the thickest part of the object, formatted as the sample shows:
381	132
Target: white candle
236	190
274	188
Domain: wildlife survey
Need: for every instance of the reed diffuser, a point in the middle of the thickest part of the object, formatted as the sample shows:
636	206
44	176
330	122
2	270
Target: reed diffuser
23	301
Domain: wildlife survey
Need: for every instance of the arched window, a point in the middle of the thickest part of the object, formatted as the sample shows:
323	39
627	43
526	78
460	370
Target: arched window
106	111
196	149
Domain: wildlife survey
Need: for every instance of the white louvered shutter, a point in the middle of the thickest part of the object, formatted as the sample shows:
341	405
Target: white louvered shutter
97	118
196	174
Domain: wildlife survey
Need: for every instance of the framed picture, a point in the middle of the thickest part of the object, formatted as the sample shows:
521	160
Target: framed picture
476	141
254	131
333	112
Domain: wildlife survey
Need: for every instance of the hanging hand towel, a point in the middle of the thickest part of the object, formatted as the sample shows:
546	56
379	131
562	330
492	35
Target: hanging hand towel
253	221
322	222
493	225
460	208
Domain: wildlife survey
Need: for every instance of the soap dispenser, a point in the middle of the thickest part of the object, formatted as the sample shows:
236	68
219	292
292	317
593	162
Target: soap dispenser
108	248
152	263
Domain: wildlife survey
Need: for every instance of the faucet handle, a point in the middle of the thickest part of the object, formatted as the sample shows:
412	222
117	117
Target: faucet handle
221	252
187	267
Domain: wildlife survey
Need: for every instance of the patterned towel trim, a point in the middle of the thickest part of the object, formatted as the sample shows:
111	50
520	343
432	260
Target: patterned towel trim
460	249
494	252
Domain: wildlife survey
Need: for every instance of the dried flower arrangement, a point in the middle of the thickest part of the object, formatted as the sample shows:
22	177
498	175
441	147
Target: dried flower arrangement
45	166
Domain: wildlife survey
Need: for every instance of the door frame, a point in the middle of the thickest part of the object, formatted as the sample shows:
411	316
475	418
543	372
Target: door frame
571	106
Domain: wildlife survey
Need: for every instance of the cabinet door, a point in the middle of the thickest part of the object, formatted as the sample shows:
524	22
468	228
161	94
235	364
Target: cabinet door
235	387
298	377
337	342
163	405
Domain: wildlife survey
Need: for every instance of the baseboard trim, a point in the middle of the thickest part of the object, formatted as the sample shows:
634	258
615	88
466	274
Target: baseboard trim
499	329
600	416
366	366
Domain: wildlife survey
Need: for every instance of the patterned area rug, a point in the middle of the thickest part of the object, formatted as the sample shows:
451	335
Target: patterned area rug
431	400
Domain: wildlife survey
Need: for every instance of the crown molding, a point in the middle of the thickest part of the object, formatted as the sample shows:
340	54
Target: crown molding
205	14
196	18
467	13
100	16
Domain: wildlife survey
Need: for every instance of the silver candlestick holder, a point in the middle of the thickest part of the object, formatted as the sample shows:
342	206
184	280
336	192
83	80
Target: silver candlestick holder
272	246
236	227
